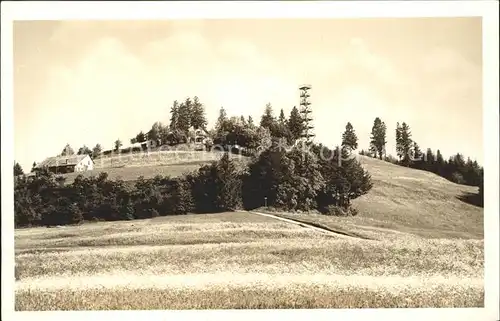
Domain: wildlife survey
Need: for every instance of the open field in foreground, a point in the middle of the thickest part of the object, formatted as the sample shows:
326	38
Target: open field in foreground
238	260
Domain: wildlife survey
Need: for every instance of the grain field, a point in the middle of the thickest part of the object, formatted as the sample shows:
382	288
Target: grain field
238	260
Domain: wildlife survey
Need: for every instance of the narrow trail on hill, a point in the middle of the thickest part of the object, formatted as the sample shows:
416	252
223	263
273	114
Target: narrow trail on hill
316	227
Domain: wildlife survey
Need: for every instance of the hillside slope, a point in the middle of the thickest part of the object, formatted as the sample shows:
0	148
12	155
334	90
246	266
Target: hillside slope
405	202
129	167
418	202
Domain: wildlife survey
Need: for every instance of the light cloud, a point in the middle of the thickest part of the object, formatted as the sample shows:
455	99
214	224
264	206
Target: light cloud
114	78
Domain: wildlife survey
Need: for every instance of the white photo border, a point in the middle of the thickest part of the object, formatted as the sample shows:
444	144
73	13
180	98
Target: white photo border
488	10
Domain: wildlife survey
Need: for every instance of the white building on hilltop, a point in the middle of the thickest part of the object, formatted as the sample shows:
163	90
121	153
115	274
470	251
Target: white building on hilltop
67	164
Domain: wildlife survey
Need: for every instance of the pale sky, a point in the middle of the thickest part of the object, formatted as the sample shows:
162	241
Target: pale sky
89	82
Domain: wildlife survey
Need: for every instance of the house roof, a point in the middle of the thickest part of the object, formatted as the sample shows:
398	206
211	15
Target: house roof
61	161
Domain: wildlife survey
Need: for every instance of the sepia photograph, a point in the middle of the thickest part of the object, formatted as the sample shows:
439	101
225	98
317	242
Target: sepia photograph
249	163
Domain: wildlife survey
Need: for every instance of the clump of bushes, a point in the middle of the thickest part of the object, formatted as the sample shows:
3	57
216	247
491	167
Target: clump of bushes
335	210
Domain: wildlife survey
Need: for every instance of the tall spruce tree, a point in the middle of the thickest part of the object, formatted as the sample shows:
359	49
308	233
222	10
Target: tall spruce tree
198	119
417	156
282	118
406	144
250	121
349	138
221	119
184	119
378	135
267	120
295	123
399	145
228	185
18	170
430	161
440	164
174	116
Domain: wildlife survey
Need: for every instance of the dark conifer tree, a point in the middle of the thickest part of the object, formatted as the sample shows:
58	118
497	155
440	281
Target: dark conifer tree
250	121
221	119
406	144
198	119
430	161
282	118
399	143
349	138
184	118
174	117
378	136
295	123
18	170
267	120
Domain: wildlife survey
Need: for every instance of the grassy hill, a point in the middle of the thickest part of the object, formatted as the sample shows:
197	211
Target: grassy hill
418	201
129	167
402	199
410	201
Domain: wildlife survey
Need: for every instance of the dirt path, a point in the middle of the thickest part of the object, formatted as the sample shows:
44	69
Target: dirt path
316	227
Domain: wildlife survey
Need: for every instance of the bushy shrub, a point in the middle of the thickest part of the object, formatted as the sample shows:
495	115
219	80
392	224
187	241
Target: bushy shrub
334	210
217	187
457	178
345	178
178	196
154	213
76	214
304	179
481	191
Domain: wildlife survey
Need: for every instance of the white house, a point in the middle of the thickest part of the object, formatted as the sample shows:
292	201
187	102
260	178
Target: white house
67	164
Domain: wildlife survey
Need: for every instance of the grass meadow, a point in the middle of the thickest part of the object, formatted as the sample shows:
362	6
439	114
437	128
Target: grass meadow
413	244
238	260
129	167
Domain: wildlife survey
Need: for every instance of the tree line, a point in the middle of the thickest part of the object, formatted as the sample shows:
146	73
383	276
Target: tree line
185	115
282	173
190	113
456	169
295	179
245	134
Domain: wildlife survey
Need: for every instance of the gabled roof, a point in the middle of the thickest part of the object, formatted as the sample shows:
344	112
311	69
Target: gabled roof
61	161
